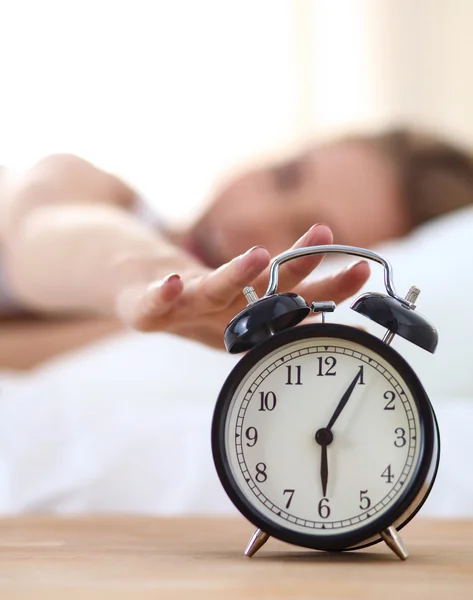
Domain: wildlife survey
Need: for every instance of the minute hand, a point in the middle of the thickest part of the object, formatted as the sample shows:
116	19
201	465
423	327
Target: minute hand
343	401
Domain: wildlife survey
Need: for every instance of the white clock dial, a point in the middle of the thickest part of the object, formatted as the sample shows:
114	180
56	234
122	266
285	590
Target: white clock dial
293	393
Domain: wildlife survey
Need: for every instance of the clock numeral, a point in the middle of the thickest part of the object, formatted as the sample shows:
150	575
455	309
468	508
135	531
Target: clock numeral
291	494
400	441
362	372
365	502
390	397
329	362
289	375
268	401
324	509
261	475
387	474
251	434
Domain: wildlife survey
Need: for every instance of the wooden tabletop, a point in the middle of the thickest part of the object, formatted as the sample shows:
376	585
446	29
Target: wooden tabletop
124	558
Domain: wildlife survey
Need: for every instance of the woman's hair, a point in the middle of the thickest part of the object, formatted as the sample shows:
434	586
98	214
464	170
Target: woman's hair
435	176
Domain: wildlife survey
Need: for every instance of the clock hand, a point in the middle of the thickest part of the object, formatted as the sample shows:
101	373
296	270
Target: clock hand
324	470
324	438
341	405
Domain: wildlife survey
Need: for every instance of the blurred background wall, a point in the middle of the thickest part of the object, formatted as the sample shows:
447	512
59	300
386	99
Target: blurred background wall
174	94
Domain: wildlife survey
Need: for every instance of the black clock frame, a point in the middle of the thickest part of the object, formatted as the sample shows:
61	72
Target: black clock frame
361	537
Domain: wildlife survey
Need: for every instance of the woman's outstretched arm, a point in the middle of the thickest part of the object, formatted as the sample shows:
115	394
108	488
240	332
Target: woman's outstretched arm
71	243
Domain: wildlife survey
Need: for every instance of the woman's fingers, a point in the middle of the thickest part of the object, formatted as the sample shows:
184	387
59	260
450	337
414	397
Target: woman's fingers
294	271
175	303
162	294
172	300
219	288
337	287
142	307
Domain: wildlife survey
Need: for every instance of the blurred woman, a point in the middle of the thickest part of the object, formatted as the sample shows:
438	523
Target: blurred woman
74	238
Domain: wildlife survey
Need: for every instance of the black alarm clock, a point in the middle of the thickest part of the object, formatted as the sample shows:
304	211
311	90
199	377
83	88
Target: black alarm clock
323	436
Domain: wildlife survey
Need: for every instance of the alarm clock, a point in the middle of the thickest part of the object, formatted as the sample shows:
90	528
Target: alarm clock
323	435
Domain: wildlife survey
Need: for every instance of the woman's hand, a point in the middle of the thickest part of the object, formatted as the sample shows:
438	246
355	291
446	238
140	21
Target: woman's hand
198	303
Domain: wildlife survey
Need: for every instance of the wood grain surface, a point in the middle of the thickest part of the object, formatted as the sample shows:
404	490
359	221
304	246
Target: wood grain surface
47	558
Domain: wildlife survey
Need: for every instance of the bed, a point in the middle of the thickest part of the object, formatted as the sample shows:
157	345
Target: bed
97	419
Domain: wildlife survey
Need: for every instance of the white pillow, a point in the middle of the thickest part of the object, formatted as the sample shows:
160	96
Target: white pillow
438	258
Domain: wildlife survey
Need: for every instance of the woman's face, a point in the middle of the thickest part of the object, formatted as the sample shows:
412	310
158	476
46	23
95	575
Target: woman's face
347	185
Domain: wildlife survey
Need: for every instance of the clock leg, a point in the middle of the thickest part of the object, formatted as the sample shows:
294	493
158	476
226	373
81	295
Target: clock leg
257	540
394	541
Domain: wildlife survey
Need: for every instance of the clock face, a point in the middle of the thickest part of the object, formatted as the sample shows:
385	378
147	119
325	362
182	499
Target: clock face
322	435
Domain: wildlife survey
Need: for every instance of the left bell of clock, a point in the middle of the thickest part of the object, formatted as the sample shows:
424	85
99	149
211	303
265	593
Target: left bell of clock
262	318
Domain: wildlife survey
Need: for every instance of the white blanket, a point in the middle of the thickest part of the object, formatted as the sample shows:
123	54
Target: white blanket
125	424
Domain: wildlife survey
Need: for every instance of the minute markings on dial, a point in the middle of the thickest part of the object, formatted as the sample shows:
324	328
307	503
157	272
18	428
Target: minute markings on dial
262	374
